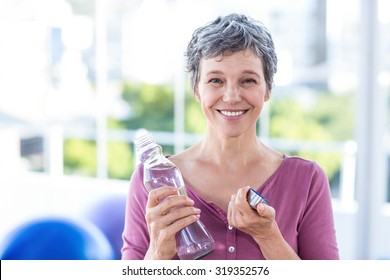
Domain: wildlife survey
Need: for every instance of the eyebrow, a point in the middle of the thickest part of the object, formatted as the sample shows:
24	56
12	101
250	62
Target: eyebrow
214	72
251	72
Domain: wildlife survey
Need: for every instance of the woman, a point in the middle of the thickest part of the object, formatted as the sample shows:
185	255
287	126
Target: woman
232	62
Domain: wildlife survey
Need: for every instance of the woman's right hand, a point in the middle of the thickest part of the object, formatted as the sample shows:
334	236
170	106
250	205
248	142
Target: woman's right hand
166	214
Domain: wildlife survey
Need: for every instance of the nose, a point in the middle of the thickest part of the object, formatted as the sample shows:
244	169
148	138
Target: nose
232	94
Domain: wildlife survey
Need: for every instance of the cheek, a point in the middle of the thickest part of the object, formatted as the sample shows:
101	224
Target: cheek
205	104
207	99
256	99
260	97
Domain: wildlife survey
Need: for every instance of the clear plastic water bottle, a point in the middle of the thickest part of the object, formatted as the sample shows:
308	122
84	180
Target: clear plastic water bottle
194	241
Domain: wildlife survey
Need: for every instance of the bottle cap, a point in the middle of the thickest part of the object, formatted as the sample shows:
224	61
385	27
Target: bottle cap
255	198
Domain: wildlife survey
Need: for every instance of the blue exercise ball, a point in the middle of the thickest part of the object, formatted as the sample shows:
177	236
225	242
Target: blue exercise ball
57	239
109	216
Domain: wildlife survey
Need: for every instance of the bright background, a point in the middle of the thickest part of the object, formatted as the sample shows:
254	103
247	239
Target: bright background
79	77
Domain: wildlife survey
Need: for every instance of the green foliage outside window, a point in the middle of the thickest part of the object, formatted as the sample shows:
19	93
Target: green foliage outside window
327	118
151	107
80	158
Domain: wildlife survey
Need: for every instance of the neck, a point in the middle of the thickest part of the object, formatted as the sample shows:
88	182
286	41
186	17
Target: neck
236	151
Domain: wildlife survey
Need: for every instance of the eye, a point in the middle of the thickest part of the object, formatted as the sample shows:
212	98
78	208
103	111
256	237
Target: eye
249	81
215	81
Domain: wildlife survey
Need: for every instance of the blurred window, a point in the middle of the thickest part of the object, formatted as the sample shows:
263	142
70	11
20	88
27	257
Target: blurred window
102	69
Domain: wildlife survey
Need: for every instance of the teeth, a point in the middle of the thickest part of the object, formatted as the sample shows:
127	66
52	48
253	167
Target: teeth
232	113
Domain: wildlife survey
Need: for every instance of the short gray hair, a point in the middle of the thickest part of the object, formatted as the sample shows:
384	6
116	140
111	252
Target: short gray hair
231	33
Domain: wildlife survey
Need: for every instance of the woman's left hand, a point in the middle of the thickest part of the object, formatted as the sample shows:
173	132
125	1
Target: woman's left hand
258	223
261	225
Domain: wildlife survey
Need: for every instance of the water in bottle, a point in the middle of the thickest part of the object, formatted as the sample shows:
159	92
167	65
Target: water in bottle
193	241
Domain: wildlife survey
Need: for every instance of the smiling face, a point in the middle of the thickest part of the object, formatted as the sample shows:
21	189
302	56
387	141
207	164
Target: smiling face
232	91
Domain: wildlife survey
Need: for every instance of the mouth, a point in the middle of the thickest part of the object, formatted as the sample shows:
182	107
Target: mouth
232	113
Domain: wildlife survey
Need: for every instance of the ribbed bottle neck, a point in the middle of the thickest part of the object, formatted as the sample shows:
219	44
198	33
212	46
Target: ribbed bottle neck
144	142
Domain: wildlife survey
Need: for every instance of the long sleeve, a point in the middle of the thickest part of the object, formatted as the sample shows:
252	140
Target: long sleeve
135	235
300	194
316	232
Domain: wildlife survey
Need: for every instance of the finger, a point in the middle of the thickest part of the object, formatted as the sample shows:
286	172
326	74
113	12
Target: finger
174	202
240	201
168	233
242	193
230	214
242	197
171	223
169	210
182	223
182	213
232	201
265	211
156	195
164	220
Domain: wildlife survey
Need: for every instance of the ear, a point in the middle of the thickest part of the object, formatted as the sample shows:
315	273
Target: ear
266	96
197	95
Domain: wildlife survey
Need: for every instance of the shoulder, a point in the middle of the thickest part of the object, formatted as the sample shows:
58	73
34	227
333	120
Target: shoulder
295	162
136	181
302	180
138	172
303	169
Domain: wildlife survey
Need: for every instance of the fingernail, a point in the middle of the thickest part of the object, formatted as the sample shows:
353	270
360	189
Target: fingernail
262	207
190	200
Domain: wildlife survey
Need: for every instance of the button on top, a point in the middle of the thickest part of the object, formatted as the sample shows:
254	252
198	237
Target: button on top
230	227
231	249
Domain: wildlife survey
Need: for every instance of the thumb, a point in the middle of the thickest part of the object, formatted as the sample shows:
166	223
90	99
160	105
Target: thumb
265	210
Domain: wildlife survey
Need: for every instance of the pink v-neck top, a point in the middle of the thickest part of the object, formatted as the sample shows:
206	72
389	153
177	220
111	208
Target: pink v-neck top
298	190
